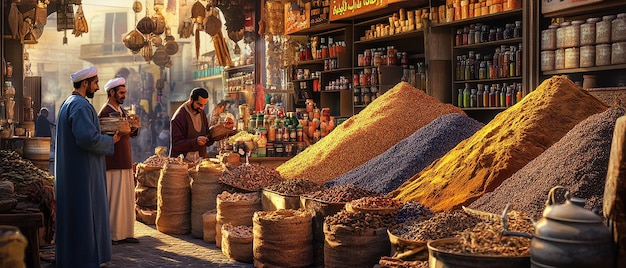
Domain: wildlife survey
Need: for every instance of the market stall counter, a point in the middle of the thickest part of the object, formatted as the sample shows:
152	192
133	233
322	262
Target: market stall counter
29	224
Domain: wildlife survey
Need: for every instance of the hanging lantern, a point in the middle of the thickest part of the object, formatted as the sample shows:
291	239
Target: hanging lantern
159	22
137	6
145	25
171	47
160	58
134	41
197	12
146	52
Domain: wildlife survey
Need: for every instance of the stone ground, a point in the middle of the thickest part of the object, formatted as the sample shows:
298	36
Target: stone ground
156	249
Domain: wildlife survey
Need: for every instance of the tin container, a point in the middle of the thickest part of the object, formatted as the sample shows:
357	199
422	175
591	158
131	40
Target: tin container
603	30
559	59
618	28
587	56
547	60
603	54
572	57
588	32
618	53
548	38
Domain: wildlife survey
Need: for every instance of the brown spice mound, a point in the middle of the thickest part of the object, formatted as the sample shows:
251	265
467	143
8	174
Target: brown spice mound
579	161
394	116
513	138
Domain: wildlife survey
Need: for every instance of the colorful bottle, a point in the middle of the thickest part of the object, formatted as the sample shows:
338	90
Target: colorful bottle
466	96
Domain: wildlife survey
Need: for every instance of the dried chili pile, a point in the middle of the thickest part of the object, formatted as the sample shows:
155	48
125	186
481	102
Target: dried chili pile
513	138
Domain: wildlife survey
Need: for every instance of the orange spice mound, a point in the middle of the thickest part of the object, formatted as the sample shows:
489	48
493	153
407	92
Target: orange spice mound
390	118
513	138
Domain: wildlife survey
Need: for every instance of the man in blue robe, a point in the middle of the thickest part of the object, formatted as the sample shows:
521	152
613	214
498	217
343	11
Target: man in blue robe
83	236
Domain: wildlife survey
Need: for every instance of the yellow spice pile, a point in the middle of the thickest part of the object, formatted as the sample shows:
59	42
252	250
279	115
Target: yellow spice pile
390	118
512	139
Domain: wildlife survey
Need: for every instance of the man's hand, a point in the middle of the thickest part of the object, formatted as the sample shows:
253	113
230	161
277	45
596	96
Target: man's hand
202	140
116	137
229	124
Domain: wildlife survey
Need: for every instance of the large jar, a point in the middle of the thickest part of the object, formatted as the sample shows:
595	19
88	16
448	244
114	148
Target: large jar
588	32
548	38
572	57
572	34
618	28
587	56
559	59
560	34
603	30
547	60
618	53
603	54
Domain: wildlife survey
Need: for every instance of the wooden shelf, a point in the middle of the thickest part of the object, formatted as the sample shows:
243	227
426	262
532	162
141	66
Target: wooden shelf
321	29
334	90
339	70
488	80
304	80
492	43
581	10
311	62
495	16
249	67
586	69
209	78
403	35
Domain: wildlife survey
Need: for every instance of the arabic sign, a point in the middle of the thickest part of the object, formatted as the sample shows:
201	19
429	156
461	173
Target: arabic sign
341	9
297	17
548	6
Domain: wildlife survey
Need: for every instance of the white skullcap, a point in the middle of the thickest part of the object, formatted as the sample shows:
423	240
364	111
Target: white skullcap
118	81
84	74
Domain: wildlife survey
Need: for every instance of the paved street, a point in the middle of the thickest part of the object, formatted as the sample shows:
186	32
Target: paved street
157	249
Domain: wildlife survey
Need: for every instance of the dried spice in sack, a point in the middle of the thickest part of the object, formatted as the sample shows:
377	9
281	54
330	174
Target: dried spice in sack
251	177
579	161
513	138
390	118
442	225
340	194
295	187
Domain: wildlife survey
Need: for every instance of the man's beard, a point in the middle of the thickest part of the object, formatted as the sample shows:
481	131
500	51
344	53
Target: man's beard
89	93
119	100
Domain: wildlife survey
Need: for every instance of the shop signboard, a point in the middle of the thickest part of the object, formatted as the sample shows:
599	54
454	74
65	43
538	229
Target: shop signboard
548	6
342	9
297	17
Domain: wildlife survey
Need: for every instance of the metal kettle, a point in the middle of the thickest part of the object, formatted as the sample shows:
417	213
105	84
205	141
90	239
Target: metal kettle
568	235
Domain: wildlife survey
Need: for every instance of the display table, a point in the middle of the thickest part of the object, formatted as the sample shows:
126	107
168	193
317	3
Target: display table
29	224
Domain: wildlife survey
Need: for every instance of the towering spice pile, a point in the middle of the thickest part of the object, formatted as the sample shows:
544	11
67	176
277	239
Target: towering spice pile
390	118
513	138
579	161
385	172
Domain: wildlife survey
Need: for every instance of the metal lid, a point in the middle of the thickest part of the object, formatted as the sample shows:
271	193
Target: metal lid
594	20
608	17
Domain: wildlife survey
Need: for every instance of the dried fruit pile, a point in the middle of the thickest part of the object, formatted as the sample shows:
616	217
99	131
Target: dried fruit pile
361	220
442	225
340	194
376	202
486	238
251	177
413	211
295	187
